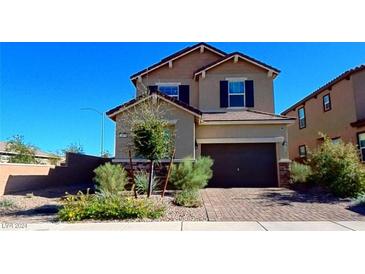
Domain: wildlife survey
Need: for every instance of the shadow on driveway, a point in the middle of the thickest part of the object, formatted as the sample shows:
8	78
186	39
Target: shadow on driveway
288	197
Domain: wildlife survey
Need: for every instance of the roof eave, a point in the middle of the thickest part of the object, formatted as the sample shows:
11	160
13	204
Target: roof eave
165	61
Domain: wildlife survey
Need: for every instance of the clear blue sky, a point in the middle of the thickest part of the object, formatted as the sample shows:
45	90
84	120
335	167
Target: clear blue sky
44	85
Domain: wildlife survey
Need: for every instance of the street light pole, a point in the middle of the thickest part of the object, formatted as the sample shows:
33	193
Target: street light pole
102	128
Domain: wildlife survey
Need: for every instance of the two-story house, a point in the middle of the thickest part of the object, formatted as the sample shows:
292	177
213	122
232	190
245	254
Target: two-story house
337	109
221	105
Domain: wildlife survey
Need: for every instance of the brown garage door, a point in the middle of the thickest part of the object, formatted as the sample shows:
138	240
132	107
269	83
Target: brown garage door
242	165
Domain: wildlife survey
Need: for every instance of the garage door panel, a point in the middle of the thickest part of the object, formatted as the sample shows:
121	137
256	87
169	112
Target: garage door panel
242	165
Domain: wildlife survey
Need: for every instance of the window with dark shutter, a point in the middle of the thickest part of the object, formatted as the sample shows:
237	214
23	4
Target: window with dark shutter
223	94
152	88
184	94
249	93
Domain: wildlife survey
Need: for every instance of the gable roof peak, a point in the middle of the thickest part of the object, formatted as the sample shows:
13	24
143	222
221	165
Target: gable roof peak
178	54
240	55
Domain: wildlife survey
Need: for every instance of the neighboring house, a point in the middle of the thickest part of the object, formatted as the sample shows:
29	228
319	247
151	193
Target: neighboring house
41	157
337	109
221	105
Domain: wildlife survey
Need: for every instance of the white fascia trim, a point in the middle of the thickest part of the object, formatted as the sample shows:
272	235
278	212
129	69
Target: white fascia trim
177	57
257	122
235	79
239	140
162	98
167	84
248	60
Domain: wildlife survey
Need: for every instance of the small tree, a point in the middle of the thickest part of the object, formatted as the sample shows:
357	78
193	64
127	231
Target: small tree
151	137
24	153
74	148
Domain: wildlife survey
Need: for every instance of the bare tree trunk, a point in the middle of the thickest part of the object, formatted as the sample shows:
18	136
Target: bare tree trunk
168	174
132	175
150	181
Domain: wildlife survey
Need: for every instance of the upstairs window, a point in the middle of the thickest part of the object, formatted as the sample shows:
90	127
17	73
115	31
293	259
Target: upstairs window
327	102
170	90
361	137
336	140
301	118
236	94
302	151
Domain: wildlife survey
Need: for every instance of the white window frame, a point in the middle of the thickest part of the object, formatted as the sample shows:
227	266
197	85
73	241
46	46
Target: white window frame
327	106
302	119
336	140
235	80
305	151
361	148
170	85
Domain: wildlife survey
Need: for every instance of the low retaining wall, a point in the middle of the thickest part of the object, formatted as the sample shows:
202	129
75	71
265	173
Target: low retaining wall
78	170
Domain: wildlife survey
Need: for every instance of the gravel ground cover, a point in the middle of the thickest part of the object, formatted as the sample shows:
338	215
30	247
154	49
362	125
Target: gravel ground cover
36	209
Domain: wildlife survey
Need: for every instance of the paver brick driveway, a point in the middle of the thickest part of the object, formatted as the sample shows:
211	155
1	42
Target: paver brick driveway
276	204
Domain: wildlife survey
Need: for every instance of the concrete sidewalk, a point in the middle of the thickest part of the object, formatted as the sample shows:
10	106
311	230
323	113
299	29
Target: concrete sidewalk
189	226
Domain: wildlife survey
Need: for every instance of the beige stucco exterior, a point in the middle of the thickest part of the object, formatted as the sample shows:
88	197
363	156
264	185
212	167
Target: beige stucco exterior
358	82
259	133
181	120
209	95
181	72
348	106
203	70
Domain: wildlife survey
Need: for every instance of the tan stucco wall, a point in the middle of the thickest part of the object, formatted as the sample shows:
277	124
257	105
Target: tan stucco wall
182	72
358	80
209	87
334	123
21	170
246	131
184	131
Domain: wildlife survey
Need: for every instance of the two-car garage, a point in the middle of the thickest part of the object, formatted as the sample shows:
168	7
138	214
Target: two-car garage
242	164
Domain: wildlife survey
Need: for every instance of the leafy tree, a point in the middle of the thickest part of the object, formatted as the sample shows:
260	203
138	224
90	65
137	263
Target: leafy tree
151	136
74	148
24	153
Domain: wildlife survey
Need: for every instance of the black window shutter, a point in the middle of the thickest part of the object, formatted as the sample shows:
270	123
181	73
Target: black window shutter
184	94
224	94
249	93
153	89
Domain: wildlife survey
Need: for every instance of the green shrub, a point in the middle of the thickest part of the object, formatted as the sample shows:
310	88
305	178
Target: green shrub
189	175
108	207
338	167
141	179
7	204
110	178
188	198
300	173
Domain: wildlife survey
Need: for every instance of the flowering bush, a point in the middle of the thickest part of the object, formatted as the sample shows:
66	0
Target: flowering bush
106	206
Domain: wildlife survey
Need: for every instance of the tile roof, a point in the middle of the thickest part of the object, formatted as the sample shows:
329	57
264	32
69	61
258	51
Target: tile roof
176	54
245	115
228	56
328	85
112	111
